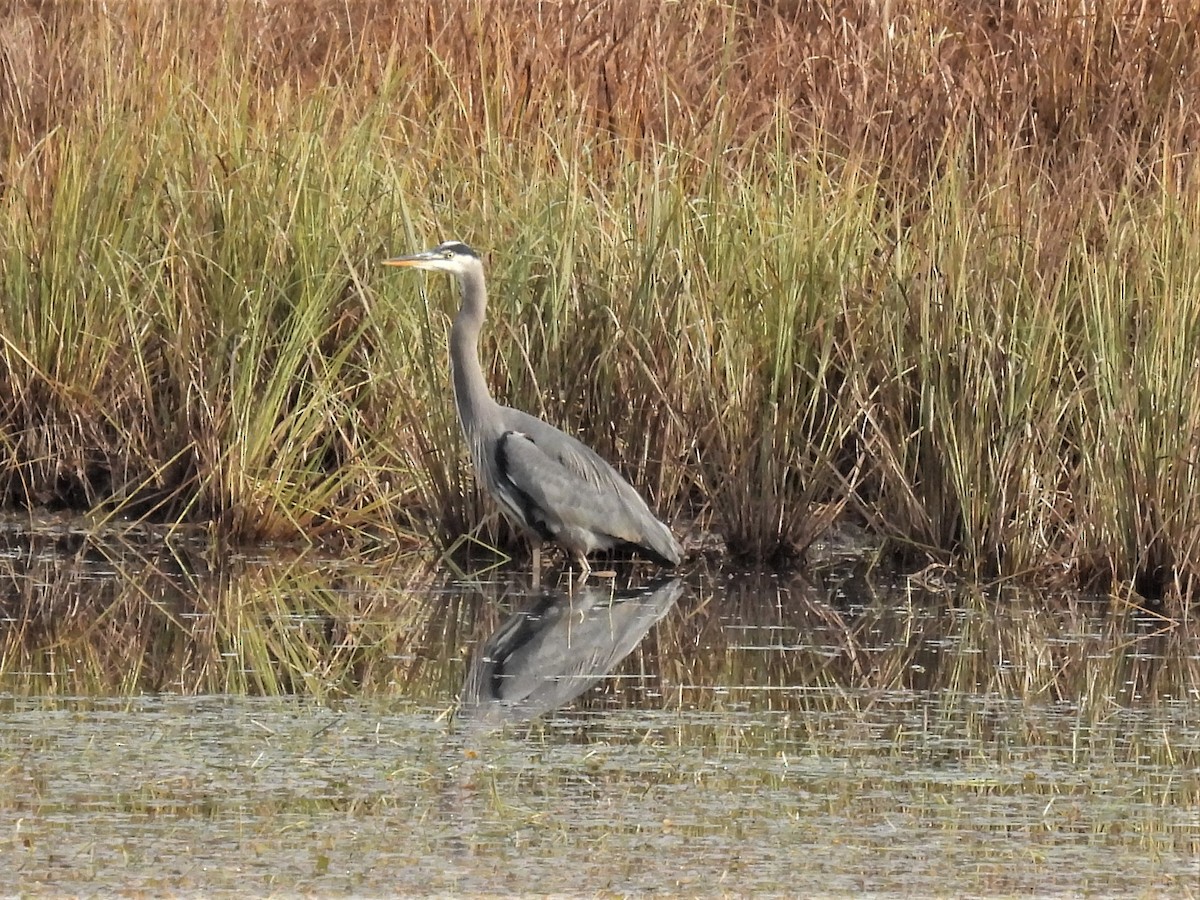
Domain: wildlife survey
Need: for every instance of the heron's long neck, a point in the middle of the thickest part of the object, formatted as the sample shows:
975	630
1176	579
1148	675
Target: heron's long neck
471	396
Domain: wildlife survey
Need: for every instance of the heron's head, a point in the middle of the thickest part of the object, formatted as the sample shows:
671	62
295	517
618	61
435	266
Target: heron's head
454	257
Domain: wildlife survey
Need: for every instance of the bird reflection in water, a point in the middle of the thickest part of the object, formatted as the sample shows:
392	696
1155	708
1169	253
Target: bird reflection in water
544	657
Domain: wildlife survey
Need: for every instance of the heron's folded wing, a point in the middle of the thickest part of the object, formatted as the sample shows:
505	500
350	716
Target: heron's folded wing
572	454
557	496
594	479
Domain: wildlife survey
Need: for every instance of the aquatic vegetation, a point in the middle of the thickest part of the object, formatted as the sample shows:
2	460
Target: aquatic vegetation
929	267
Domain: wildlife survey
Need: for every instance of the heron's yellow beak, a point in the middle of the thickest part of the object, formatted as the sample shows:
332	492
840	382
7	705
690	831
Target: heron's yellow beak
401	261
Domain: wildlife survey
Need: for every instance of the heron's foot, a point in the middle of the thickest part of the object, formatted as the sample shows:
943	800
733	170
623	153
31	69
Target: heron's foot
537	566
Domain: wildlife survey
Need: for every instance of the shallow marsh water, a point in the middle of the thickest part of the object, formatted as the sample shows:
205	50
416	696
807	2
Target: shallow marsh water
281	723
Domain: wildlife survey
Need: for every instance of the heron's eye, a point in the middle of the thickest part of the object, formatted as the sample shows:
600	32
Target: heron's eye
447	254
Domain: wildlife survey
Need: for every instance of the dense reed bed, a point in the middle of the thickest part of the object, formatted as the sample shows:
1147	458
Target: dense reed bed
930	266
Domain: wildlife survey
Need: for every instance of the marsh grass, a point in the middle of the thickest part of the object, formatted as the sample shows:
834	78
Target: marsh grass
927	265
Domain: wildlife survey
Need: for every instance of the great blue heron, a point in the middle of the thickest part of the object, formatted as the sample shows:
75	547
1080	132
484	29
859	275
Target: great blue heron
546	482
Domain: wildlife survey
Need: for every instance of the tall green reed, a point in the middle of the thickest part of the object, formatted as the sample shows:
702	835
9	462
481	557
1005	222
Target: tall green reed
186	330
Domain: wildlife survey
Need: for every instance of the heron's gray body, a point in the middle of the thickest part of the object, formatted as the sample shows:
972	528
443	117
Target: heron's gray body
546	482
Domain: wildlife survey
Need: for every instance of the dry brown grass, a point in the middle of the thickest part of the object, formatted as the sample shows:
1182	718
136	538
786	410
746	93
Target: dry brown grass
1103	89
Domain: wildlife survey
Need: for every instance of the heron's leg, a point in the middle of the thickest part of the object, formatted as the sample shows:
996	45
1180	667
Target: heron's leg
585	568
537	564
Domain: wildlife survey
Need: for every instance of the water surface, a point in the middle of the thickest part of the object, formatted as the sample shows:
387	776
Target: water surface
276	724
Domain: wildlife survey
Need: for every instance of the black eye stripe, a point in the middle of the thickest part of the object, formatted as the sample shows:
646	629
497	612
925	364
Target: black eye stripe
455	248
